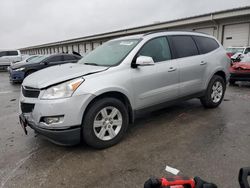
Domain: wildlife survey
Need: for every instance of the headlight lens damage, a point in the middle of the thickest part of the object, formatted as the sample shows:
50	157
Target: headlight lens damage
62	90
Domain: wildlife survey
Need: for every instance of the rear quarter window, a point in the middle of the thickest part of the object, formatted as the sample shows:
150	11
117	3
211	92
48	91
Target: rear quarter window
68	57
55	58
183	46
205	44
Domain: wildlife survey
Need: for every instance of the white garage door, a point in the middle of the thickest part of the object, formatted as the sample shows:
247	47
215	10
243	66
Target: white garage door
236	35
82	49
208	30
75	48
96	44
88	47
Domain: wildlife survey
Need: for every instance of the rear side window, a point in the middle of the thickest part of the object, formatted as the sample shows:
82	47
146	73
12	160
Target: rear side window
55	59
183	46
12	53
68	58
205	44
157	48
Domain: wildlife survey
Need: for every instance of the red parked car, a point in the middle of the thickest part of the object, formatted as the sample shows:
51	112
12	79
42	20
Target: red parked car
240	71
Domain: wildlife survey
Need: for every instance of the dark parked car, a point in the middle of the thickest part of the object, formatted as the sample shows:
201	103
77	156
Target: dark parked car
19	71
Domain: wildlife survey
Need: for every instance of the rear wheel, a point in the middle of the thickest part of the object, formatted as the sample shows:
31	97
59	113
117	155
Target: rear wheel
105	123
214	93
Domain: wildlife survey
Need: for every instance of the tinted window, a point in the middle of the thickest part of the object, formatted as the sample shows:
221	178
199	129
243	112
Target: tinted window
12	53
247	51
3	54
69	58
205	44
183	46
157	48
54	58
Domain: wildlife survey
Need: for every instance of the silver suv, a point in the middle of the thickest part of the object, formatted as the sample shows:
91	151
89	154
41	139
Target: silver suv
96	99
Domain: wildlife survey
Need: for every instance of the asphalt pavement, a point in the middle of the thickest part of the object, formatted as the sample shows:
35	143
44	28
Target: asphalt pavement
213	144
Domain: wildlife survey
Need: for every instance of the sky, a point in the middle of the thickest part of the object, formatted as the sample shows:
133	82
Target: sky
26	23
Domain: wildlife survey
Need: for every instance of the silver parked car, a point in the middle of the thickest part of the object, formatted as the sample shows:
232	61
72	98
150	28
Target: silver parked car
96	99
9	56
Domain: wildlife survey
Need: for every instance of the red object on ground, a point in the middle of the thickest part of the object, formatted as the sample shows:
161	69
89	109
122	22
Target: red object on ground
178	182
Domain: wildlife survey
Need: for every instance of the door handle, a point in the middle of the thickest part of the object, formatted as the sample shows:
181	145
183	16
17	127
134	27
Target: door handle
172	69
203	63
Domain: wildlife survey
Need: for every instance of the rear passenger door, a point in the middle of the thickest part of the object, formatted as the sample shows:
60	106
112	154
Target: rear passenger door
157	83
191	66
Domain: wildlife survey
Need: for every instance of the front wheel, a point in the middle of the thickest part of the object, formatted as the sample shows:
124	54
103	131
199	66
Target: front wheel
214	93
105	123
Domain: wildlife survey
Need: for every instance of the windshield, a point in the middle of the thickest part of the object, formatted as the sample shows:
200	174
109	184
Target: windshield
30	58
235	50
38	59
246	59
110	53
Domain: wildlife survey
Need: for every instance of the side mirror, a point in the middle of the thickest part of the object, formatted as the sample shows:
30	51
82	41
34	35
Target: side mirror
45	63
144	61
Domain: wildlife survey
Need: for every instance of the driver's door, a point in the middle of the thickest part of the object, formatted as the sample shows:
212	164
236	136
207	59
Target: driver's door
157	83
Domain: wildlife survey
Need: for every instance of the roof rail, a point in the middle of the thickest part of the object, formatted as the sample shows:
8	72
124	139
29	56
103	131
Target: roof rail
152	32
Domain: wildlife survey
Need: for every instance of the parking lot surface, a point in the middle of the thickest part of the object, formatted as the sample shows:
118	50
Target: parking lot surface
213	144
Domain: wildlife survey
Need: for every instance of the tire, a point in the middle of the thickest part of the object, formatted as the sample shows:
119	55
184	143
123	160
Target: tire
208	101
231	82
108	131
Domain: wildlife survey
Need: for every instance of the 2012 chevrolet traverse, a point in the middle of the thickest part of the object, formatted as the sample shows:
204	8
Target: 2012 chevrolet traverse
96	99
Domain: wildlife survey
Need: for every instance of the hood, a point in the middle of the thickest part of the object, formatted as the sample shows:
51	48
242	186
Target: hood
241	65
60	73
18	64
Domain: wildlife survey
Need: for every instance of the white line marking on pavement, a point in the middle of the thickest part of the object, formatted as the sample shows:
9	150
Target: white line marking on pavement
172	170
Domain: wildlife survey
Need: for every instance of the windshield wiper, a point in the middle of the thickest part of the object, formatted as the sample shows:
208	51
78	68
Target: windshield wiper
94	64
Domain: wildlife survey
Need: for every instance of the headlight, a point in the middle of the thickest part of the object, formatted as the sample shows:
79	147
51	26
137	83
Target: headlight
62	90
20	69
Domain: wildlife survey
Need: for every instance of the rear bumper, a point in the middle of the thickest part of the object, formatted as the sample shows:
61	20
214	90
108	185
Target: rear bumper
240	76
65	137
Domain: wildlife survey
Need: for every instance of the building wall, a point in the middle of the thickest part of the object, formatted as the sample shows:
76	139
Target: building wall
216	28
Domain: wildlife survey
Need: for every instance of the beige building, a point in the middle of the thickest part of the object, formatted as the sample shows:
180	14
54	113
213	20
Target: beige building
230	27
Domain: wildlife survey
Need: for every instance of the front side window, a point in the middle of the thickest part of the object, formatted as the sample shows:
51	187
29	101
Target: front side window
205	44
110	53
38	59
184	46
157	48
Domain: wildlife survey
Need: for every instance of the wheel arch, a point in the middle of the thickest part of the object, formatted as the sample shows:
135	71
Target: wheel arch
219	72
222	74
117	95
